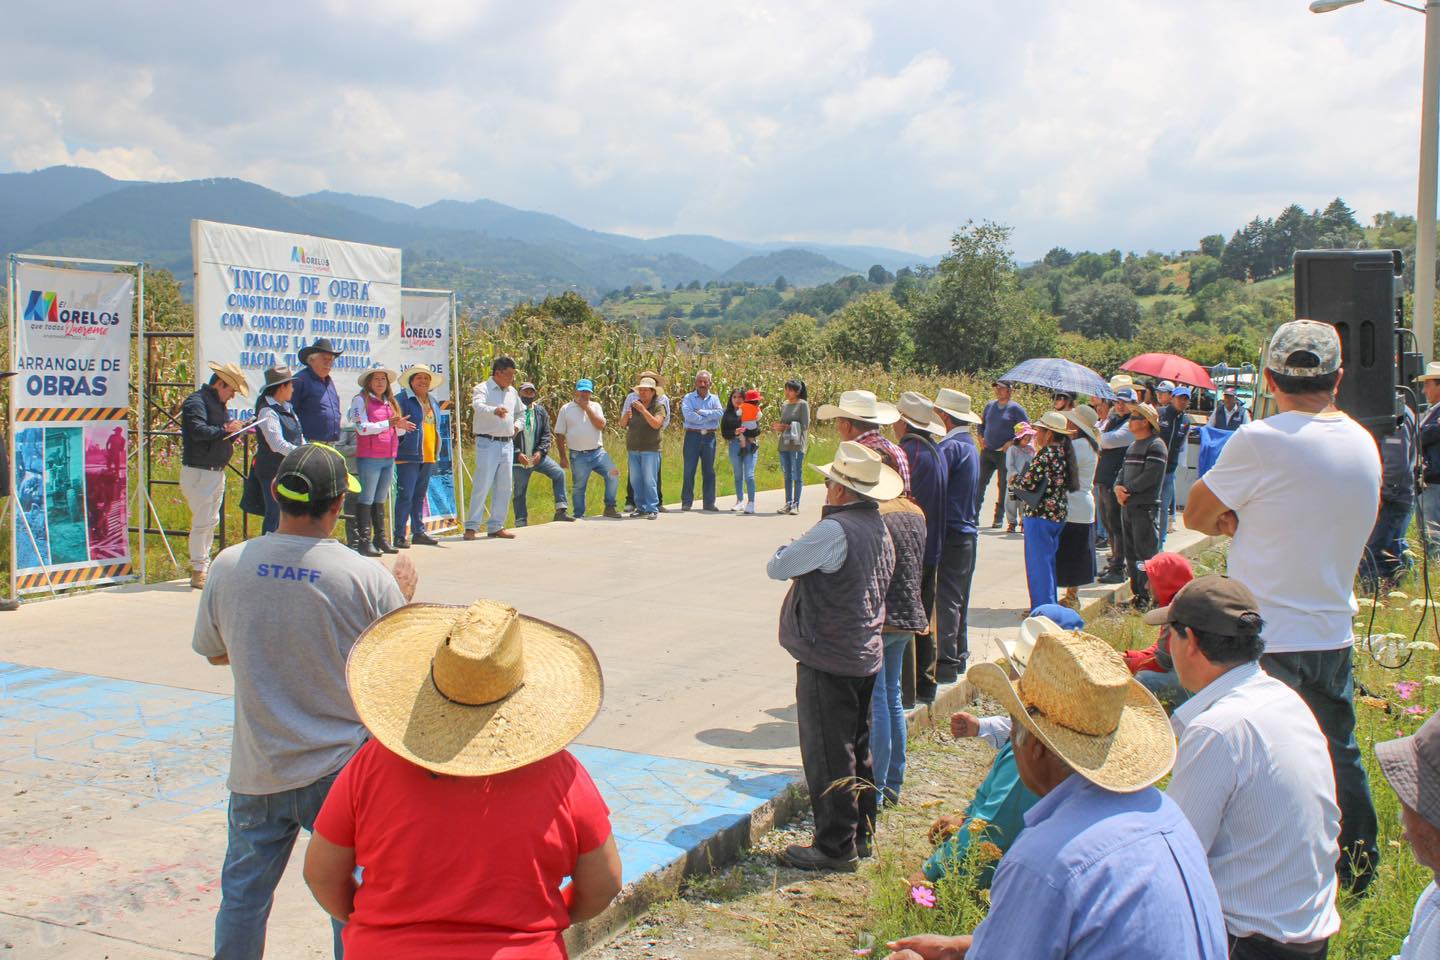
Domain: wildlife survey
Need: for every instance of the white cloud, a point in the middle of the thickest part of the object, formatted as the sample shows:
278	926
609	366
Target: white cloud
1120	123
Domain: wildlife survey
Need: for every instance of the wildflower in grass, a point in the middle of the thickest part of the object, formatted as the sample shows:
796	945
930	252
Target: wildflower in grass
1397	595
977	825
1406	688
1374	703
1424	645
1432	681
923	896
990	852
1417	710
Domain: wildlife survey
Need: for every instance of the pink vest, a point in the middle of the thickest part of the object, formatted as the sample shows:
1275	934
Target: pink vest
378	446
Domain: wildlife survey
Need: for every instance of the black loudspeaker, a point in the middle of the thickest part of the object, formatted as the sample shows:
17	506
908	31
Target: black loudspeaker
1362	294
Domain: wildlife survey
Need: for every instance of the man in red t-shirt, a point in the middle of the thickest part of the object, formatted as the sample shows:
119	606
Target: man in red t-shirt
465	814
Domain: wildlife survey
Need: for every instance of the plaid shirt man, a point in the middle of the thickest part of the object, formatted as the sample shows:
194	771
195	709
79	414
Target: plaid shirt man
876	441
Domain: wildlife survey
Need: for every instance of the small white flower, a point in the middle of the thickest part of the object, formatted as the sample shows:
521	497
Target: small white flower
1365	603
1397	595
1424	645
1432	681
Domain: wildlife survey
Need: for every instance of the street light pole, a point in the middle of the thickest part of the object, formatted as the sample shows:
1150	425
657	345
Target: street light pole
1423	320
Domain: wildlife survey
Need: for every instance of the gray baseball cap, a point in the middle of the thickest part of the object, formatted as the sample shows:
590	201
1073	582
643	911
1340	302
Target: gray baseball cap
1319	340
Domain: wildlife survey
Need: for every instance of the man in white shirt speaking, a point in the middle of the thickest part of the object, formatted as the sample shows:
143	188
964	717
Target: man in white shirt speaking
1299	492
497	409
1253	776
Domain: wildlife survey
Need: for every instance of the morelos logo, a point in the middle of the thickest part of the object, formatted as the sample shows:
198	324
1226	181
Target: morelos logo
44	307
298	255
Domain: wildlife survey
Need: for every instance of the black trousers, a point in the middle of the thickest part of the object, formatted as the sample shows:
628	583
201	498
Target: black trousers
1110	518
925	642
1142	541
952	604
992	462
1263	948
834	717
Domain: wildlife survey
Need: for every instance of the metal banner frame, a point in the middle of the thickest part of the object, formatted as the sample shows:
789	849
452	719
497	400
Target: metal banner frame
51	580
457	453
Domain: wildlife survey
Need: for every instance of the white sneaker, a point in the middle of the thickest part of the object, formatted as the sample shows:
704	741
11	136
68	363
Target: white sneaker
750	508
739	506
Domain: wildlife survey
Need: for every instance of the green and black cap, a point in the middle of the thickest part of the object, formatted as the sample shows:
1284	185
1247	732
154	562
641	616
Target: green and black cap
315	471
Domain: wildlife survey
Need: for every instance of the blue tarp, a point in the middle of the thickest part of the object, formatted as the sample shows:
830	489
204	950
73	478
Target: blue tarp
1212	441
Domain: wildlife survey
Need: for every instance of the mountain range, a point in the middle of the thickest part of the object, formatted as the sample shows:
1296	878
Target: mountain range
490	253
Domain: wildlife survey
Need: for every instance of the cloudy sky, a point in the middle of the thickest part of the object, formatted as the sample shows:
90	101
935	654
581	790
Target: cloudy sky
1110	123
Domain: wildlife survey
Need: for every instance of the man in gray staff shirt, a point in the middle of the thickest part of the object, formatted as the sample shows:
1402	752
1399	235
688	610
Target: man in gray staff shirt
282	611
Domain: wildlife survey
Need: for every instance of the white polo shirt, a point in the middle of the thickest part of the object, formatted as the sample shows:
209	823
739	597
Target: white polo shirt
485	399
579	433
1254	778
1306	488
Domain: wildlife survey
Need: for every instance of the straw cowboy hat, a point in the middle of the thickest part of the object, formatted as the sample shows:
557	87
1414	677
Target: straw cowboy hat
472	691
1121	380
1146	411
1084	417
956	404
1432	372
919	413
1087	710
1019	650
1055	422
659	380
436	379
364	379
857	467
647	383
859	405
231	374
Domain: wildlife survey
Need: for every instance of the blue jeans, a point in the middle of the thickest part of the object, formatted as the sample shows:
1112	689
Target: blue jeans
1167	503
261	835
375	477
1325	681
743	463
792	465
584	463
1430	516
492	473
520	479
699	450
1385	551
413	480
645	478
1042	541
887	719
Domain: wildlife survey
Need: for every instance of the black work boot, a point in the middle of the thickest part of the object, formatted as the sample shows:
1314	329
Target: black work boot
363	546
377	520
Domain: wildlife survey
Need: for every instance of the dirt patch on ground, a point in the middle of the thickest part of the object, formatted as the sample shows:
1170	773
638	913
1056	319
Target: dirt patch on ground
757	908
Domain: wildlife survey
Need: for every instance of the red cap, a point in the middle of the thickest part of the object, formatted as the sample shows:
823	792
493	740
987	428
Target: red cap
752	396
1167	573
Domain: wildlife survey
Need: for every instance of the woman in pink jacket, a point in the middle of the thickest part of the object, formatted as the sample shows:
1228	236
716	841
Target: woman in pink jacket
378	424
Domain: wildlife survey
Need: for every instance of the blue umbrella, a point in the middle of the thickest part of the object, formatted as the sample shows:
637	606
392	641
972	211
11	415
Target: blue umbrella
1053	373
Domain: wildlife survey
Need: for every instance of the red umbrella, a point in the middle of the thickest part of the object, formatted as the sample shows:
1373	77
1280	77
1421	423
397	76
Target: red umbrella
1167	366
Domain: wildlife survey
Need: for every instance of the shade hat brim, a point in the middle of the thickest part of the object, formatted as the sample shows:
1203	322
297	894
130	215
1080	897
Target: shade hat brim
938	429
964	416
887	487
390	677
1135	755
885	414
309	351
232	376
437	380
364	378
1080	424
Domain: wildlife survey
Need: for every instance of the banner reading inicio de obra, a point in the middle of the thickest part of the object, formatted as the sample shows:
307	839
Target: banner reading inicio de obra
425	337
70	401
262	295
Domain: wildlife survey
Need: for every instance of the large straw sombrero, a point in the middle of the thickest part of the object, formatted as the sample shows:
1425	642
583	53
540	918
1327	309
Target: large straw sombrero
859	405
472	691
1087	710
436	379
857	467
232	375
956	404
1019	650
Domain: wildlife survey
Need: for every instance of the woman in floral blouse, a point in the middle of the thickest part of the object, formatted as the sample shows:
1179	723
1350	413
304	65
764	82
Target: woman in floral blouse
1054	472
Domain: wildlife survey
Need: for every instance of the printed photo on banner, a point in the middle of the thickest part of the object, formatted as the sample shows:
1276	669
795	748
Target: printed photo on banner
106	515
262	295
70	497
72	338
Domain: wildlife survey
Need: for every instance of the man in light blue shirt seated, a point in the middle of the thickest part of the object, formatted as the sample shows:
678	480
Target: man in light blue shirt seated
701	412
1107	866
